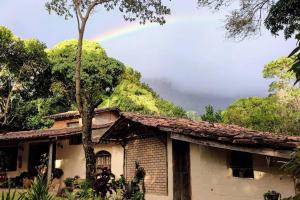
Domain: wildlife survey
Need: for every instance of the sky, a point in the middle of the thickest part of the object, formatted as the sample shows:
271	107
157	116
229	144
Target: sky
188	60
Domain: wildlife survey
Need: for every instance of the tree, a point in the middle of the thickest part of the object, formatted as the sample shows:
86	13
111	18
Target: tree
24	76
211	115
247	19
296	65
134	96
279	112
279	71
99	76
193	115
152	11
276	15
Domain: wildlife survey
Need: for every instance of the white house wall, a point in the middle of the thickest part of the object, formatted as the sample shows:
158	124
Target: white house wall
71	159
211	177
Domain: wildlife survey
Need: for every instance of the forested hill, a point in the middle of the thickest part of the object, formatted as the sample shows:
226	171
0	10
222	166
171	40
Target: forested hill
134	96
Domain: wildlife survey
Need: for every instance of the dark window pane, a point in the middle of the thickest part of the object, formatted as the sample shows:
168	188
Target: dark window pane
75	139
8	158
242	164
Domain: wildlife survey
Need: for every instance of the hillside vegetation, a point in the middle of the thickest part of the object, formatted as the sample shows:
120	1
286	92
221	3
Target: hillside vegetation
134	96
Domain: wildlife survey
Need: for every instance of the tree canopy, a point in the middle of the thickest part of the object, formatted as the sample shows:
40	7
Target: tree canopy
247	18
133	95
279	112
152	11
24	77
279	71
211	115
100	73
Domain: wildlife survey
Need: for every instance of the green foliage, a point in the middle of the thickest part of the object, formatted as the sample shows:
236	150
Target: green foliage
265	114
38	190
279	112
293	167
247	19
24	77
211	115
143	11
296	65
284	15
279	71
99	73
132	190
193	115
10	195
132	95
85	191
272	195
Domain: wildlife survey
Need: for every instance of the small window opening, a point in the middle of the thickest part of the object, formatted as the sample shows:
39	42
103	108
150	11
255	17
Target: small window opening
103	160
72	124
8	158
75	139
241	164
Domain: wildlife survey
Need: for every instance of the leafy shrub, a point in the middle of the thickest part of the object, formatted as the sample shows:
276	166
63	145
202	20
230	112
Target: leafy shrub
85	191
104	183
9	195
69	181
272	195
132	190
38	190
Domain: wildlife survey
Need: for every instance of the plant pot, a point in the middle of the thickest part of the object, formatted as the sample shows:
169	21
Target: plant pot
272	196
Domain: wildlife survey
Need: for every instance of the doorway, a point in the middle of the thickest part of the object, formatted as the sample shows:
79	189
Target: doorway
181	170
36	150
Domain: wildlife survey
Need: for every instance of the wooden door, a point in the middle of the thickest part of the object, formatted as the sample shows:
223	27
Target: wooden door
181	170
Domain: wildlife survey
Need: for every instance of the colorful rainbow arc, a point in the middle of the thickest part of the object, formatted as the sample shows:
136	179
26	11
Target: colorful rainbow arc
136	27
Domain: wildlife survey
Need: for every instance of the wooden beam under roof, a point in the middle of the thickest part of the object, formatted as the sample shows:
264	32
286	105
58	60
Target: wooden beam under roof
255	150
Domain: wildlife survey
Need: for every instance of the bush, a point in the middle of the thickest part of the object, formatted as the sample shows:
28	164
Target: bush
9	195
38	190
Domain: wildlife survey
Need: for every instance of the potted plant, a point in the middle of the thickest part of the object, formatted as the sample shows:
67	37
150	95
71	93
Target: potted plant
272	195
69	182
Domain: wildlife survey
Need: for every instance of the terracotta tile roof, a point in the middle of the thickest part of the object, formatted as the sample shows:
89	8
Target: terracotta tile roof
204	130
44	134
75	114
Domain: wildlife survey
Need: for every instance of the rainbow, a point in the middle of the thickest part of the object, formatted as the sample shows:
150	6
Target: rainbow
133	27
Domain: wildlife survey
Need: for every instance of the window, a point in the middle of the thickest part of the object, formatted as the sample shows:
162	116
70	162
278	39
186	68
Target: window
8	158
241	164
72	124
103	160
75	139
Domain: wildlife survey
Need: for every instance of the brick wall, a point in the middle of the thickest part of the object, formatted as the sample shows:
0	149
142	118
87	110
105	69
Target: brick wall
152	154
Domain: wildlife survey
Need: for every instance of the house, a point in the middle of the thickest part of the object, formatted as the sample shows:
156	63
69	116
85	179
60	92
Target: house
197	160
21	151
183	159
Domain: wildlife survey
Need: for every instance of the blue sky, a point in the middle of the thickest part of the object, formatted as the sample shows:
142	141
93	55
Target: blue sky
189	62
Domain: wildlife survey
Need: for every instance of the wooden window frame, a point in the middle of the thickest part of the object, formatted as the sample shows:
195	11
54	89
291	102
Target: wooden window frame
103	160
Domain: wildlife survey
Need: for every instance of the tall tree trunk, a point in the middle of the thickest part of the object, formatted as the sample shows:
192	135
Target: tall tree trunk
87	116
86	113
86	109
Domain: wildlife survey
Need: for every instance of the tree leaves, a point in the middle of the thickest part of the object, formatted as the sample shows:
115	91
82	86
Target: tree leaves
141	10
99	73
25	76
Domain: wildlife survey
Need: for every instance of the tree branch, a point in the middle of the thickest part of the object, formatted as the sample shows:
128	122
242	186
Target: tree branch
97	103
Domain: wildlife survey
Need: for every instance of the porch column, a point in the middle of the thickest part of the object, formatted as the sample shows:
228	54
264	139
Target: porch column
50	161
